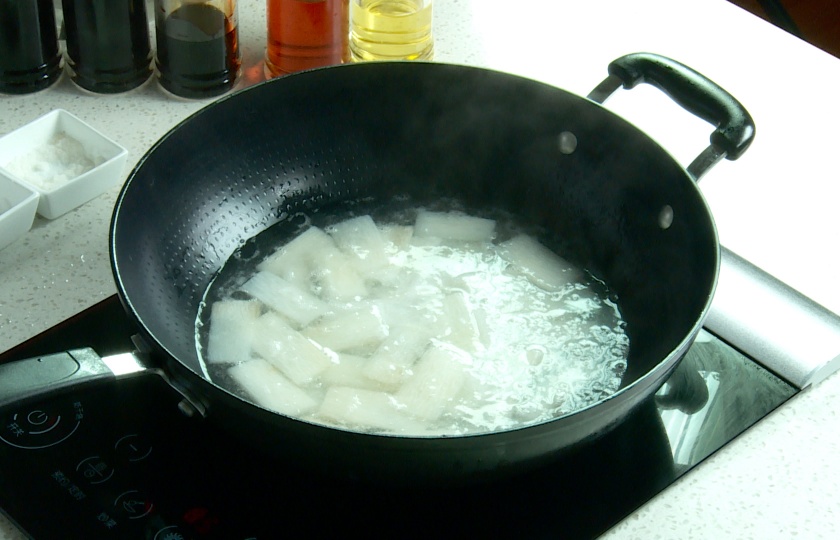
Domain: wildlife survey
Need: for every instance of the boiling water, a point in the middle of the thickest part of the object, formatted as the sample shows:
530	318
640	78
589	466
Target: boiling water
529	354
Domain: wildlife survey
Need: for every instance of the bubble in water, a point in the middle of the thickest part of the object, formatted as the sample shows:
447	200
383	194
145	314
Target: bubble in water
535	354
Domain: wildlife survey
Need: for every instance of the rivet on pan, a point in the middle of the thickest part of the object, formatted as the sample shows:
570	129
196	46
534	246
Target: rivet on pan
567	142
187	408
666	216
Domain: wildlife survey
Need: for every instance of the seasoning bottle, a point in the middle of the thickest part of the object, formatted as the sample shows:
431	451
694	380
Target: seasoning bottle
108	44
29	55
197	46
305	34
391	30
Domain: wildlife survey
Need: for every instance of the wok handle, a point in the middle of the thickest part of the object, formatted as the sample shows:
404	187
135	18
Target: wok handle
34	377
38	377
735	129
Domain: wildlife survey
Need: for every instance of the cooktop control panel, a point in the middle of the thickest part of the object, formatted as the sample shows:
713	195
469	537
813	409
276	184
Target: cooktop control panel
102	464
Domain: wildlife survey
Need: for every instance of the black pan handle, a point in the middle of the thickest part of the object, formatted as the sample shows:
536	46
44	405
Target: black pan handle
33	377
734	127
43	376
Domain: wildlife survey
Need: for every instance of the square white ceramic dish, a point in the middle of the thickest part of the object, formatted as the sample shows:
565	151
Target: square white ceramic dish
66	161
17	210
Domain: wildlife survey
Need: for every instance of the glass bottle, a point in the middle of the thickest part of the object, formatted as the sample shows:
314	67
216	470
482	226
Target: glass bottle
108	44
391	30
29	55
305	34
197	46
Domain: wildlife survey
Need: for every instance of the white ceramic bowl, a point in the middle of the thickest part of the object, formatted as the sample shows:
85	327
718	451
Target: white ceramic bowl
66	161
17	210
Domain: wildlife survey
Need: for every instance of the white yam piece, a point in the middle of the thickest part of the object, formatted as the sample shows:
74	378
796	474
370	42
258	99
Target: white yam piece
287	299
391	363
396	237
286	349
460	322
295	272
231	330
337	277
543	267
359	237
349	330
425	241
270	389
438	377
454	226
367	409
349	371
293	261
390	276
411	313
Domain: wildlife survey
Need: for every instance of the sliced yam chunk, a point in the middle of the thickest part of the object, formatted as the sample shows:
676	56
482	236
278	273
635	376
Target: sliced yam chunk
438	377
349	371
388	276
397	237
349	330
402	309
292	261
454	226
540	265
412	315
231	330
270	389
391	363
286	349
460	322
367	409
337	277
360	238
296	304
312	259
426	241
297	273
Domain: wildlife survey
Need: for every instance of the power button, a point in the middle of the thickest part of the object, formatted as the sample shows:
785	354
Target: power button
42	425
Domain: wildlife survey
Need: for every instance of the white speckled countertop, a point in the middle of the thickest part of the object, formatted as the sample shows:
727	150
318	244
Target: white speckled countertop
776	207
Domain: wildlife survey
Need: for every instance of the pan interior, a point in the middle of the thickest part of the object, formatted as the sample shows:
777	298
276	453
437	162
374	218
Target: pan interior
381	131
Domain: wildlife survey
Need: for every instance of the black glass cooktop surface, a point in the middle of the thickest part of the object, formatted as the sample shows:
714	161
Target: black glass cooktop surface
117	459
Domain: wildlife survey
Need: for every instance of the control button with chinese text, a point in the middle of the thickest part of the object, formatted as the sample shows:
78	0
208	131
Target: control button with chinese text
133	504
41	427
95	470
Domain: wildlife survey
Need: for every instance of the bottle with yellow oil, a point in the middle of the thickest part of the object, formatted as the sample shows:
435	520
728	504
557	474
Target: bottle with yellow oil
391	30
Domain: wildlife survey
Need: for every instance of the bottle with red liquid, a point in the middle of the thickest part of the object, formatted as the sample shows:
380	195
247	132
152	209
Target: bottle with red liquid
305	34
29	55
197	46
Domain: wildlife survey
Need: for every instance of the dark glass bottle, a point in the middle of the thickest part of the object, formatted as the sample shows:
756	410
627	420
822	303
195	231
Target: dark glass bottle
108	44
29	56
197	46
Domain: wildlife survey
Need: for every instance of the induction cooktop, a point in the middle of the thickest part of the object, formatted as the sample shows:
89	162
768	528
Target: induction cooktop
123	458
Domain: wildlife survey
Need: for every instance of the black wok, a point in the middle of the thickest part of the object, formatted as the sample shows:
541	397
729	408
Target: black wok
609	197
